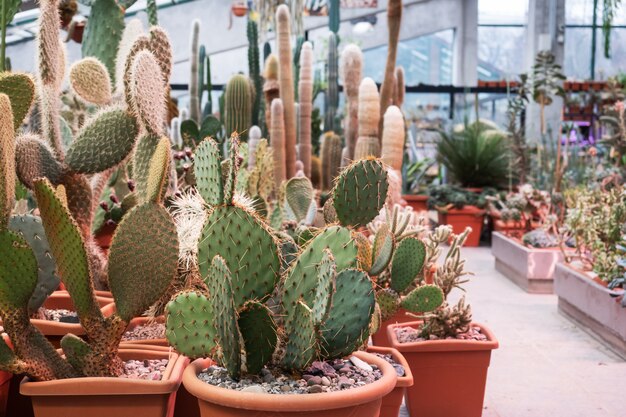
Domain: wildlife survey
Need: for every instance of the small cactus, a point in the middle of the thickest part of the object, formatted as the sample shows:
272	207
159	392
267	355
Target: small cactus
392	152
238	106
331	159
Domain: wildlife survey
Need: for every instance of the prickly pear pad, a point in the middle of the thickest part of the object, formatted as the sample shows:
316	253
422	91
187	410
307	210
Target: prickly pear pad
189	325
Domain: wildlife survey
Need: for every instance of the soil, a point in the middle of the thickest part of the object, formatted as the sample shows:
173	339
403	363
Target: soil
58	314
149	369
409	335
326	376
145	332
389	358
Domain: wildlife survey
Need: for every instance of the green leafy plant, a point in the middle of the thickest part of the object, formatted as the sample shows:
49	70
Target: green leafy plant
546	82
443	197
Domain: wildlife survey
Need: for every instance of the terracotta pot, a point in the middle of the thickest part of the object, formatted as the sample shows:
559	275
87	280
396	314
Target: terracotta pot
590	304
239	9
393	401
139	321
364	401
380	338
5	383
459	219
452	374
417	201
106	397
105	236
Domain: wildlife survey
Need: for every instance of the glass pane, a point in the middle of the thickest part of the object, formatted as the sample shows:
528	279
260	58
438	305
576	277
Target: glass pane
426	59
617	63
500	52
577	53
490	107
502	12
580	12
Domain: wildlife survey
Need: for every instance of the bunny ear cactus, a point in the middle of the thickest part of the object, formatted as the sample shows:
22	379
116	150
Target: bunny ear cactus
90	81
20	88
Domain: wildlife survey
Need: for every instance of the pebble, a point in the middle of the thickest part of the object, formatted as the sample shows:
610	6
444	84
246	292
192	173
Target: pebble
285	388
361	364
315	389
268	377
345	382
345	370
257	389
316	380
325	381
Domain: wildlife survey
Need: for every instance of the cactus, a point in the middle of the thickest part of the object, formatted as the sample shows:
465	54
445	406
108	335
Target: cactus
194	103
332	95
90	81
238	106
148	92
7	161
152	11
20	88
316	172
277	136
261	183
271	88
254	70
132	31
351	69
399	89
392	152
331	159
299	195
368	143
254	137
305	94
333	16
285	77
394	18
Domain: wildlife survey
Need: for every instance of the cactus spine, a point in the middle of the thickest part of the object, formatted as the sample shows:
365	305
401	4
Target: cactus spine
194	103
331	159
394	18
332	97
254	70
285	77
351	69
393	138
305	93
277	136
368	143
238	106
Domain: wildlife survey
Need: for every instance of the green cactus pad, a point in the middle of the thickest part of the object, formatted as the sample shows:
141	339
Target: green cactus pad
106	140
360	192
364	254
248	247
382	251
230	178
388	301
29	227
35	159
148	92
75	350
346	327
299	194
301	348
302	279
143	259
423	299
144	151
159	172
7	161
68	248
288	250
18	271
208	172
189	325
305	234
20	88
220	285
90	81
407	264
161	47
258	330
330	215
325	288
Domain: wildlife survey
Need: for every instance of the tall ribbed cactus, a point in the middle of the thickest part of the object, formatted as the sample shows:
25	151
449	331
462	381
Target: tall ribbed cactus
394	18
277	141
194	103
238	106
332	94
331	158
351	69
368	143
254	137
305	94
271	88
333	16
285	77
153	14
297	50
254	70
393	138
399	91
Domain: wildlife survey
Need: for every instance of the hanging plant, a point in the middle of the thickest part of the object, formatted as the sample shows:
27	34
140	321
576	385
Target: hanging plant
608	13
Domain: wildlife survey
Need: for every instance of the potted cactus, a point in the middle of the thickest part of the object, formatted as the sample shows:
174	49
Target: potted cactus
392	402
445	348
262	326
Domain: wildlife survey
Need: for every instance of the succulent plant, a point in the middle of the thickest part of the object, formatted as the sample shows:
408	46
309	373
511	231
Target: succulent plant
285	80
238	103
351	66
368	143
394	19
305	97
254	70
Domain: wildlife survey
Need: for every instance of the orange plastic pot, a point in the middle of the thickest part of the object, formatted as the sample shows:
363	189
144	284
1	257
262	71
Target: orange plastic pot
393	401
380	338
416	201
140	321
364	401
107	397
459	219
5	383
444	367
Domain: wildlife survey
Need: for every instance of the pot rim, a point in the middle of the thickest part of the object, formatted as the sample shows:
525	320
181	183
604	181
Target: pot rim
114	386
403	381
445	345
467	209
291	402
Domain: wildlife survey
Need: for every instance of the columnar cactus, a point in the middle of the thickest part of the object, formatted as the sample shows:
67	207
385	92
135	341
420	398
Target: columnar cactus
285	77
393	138
271	88
368	143
305	94
277	137
351	69
238	106
399	91
194	103
331	159
153	14
254	70
254	137
394	18
332	94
